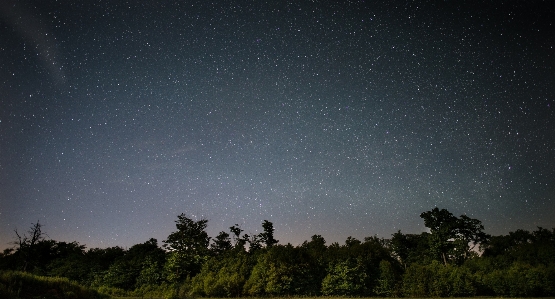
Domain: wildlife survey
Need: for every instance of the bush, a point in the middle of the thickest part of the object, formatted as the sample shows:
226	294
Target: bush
437	280
283	271
522	280
386	284
222	277
346	278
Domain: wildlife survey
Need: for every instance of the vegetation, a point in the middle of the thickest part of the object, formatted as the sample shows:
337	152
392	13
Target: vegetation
16	284
442	263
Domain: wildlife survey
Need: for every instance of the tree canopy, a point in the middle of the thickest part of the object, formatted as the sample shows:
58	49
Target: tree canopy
443	262
452	238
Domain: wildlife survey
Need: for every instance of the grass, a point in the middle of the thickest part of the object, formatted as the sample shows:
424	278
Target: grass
337	297
21	285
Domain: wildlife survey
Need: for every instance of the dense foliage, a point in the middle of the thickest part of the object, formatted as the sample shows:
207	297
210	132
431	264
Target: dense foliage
443	263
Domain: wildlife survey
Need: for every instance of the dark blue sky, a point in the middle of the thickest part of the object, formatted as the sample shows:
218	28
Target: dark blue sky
346	119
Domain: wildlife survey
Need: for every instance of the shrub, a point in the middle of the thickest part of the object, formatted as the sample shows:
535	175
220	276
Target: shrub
437	280
346	278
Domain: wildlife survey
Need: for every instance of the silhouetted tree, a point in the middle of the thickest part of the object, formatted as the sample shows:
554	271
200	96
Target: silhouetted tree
254	241
221	244
267	237
410	248
239	241
468	234
26	245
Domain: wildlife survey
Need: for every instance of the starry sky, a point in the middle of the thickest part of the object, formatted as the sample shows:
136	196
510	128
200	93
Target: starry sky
338	118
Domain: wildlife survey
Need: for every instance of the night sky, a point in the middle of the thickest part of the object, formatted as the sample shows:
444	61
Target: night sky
338	118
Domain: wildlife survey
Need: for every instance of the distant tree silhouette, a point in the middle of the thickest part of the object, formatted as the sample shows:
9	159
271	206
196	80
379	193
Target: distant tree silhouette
267	236
221	244
27	244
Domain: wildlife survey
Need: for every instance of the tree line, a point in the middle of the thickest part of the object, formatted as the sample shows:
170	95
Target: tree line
455	258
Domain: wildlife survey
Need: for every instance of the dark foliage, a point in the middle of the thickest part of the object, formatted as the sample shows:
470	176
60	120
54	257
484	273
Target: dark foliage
442	263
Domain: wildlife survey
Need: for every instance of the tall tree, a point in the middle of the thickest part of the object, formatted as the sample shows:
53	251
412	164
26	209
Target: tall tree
442	225
469	233
450	236
188	248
